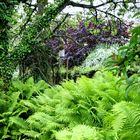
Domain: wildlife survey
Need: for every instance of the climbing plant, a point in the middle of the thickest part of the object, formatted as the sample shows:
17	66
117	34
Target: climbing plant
30	38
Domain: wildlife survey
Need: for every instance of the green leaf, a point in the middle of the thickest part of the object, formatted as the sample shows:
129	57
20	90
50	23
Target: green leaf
136	14
31	133
19	122
14	101
30	81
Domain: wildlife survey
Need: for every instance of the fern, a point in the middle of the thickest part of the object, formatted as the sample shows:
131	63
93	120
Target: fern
18	121
31	133
63	135
94	108
126	118
79	132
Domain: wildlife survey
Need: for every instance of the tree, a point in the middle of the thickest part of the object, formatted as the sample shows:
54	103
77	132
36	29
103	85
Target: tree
36	24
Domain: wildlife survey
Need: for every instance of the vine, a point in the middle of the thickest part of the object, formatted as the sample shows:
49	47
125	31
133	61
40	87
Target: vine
30	38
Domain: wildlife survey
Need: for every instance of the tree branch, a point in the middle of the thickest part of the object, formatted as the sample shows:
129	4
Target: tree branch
66	36
91	6
28	20
107	13
59	24
29	34
23	27
29	4
95	7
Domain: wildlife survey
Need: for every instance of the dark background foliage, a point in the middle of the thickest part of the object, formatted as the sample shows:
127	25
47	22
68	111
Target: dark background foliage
76	42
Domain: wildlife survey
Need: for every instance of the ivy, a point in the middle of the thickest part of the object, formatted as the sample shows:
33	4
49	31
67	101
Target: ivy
29	37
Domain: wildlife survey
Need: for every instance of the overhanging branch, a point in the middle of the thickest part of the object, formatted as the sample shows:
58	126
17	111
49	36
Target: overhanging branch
91	6
58	26
96	7
112	15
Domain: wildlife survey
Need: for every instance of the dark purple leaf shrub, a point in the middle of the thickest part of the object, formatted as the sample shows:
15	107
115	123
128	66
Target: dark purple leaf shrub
78	42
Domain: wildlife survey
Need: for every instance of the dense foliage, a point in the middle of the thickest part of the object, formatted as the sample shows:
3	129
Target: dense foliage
98	108
127	59
30	38
79	40
97	57
105	106
7	9
32	35
75	42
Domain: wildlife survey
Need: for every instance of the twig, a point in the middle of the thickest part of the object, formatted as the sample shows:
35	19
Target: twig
28	20
107	13
25	24
29	4
69	38
58	26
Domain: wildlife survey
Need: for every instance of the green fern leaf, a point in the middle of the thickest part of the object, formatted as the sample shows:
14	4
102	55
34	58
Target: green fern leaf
13	101
31	133
19	122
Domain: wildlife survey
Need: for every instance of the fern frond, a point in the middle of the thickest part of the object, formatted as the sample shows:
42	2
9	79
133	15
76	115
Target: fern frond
126	116
18	121
79	132
30	133
63	135
29	104
13	101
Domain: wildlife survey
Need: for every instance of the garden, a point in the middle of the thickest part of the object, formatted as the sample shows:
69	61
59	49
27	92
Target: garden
68	74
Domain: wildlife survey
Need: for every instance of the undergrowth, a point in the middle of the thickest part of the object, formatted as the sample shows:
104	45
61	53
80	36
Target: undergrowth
104	107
